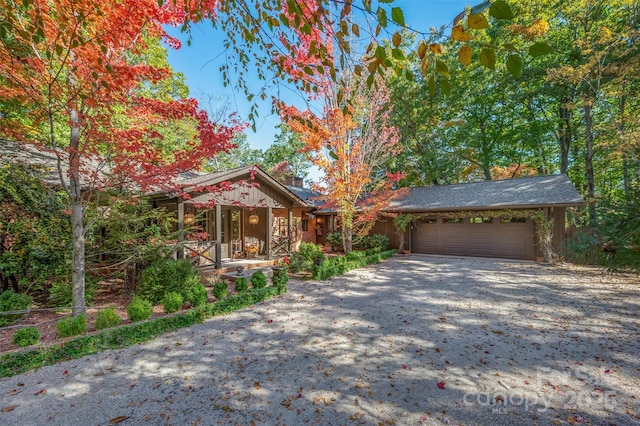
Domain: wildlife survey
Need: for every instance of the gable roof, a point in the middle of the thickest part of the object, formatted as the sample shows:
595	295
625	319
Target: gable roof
195	183
526	192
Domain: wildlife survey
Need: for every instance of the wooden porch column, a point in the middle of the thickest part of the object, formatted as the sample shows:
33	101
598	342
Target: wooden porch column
180	253
218	232
269	225
290	230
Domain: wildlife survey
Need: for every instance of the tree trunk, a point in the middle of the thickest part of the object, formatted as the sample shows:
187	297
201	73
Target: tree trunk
77	218
564	135
588	156
347	239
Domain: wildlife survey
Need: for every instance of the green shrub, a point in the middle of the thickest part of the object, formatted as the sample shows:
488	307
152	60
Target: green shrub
61	292
378	241
197	295
139	309
26	337
335	240
241	285
259	279
12	301
172	302
280	279
342	264
310	251
72	326
107	318
220	289
166	276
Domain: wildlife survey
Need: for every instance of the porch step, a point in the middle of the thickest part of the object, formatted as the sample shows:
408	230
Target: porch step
230	268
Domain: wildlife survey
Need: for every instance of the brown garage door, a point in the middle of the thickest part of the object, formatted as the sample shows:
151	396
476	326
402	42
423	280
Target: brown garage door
510	238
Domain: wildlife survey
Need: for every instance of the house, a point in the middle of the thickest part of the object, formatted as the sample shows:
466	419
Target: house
245	212
238	213
499	218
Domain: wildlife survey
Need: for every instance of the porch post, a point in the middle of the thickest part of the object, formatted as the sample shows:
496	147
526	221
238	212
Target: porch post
218	236
269	226
290	230
180	253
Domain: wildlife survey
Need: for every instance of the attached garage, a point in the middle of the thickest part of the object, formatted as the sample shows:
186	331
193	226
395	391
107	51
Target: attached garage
487	219
508	237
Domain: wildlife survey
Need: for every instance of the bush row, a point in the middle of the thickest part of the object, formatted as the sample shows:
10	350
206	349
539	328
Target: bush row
20	362
140	309
353	260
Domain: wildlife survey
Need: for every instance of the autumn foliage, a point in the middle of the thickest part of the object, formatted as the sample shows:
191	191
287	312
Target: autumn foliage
71	80
350	143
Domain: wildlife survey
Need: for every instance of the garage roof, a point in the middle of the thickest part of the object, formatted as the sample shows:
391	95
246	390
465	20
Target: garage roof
526	192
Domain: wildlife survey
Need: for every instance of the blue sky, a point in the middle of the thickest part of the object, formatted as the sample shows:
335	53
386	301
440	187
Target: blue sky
200	62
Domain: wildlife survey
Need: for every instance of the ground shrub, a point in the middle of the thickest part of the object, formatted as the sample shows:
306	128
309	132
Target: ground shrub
341	264
172	302
72	326
220	289
107	318
259	279
280	279
12	301
26	337
166	276
304	258
197	295
61	292
241	285
139	309
334	239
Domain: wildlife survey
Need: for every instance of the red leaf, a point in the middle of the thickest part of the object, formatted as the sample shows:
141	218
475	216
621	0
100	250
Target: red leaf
440	385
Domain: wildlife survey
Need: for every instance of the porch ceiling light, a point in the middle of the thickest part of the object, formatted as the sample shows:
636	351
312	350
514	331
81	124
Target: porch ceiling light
253	219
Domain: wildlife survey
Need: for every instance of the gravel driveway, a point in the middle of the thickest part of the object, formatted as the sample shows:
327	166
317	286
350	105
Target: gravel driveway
414	340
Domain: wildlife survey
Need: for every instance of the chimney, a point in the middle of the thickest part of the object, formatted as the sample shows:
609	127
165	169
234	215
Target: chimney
294	181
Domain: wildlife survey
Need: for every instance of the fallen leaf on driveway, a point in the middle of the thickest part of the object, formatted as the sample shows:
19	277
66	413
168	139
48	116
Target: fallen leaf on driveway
440	385
8	408
118	419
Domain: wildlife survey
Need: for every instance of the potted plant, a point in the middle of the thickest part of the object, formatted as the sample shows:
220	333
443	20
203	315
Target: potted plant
335	241
401	222
252	250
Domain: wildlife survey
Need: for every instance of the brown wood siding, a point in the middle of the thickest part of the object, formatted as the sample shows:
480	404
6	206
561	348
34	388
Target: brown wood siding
495	239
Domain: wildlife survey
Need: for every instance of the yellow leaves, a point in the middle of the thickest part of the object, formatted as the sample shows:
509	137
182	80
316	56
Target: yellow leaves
396	39
424	66
537	29
436	48
458	33
464	55
477	22
422	49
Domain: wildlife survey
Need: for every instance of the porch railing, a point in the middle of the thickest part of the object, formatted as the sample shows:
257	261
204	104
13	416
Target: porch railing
203	253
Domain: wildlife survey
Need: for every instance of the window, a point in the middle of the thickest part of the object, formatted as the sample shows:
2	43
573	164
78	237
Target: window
429	220
480	220
305	225
513	219
453	220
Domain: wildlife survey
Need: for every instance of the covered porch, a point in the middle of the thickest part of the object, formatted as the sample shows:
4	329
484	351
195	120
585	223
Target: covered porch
255	218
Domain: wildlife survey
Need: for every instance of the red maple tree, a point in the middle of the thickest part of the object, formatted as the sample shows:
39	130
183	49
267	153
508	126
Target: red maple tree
68	67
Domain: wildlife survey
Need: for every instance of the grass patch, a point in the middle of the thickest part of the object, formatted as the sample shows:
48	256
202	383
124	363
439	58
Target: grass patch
21	362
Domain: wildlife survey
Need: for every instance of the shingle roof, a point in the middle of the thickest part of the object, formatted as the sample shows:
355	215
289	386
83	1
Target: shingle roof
537	191
311	197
